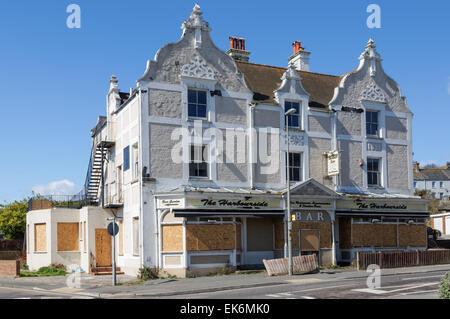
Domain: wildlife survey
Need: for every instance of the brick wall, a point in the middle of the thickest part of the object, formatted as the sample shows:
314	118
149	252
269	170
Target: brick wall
9	267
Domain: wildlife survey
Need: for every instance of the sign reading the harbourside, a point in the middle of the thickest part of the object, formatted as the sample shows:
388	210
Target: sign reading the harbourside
366	204
311	204
312	216
248	203
333	163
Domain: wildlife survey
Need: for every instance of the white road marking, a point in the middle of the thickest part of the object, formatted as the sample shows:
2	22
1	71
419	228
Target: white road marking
307	297
380	292
424	277
273	296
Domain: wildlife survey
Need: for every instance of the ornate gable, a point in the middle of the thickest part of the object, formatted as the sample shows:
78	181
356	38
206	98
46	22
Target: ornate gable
198	68
373	93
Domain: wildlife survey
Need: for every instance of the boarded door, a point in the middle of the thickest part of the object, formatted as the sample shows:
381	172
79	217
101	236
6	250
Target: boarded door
102	248
309	239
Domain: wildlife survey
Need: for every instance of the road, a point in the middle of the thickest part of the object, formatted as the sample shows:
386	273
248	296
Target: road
30	293
403	286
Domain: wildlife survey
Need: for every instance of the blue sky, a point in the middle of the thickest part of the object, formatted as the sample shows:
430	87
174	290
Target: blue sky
54	79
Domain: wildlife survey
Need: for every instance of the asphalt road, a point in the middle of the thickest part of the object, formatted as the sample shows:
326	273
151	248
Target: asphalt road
403	286
25	293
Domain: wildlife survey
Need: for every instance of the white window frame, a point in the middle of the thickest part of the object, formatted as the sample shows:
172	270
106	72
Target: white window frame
135	161
206	105
205	156
288	166
299	115
380	170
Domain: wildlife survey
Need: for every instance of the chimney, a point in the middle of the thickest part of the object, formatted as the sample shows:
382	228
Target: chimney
237	49
300	58
416	167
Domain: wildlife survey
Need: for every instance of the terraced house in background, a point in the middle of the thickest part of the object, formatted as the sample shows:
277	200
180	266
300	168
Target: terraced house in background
350	164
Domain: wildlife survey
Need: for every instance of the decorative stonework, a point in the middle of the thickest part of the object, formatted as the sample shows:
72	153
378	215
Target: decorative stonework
373	93
196	20
198	68
297	140
374	147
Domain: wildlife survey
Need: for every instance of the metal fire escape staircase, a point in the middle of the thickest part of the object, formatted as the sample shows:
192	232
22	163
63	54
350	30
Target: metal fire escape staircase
94	184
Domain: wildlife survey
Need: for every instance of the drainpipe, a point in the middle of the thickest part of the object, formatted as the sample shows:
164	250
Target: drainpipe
252	146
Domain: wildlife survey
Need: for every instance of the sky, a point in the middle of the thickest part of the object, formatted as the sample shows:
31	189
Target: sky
54	79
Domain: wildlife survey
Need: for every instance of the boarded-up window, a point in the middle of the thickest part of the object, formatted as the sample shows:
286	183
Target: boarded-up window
172	238
121	238
309	239
40	237
259	234
136	236
210	237
67	236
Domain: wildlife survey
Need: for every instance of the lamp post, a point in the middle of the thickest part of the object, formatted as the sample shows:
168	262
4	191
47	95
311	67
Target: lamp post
288	184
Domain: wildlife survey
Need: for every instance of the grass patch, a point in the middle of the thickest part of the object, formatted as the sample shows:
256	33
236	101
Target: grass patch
44	272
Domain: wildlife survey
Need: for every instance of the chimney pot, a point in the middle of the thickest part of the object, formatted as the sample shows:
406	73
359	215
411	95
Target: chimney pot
416	167
237	49
300	58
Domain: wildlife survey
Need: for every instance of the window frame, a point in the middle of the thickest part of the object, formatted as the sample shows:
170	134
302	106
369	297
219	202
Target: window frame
378	172
205	150
135	158
197	104
297	114
290	168
126	158
369	122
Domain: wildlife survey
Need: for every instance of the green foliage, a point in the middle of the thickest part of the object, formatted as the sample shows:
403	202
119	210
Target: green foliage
13	219
59	266
444	287
333	266
25	267
148	273
44	271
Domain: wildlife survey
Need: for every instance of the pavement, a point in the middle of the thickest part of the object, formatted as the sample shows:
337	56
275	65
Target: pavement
242	285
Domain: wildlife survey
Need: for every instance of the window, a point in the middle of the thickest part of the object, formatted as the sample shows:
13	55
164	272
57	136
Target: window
294	120
415	184
197	104
295	167
198	164
126	158
68	236
441	184
135	161
136	236
373	172
40	237
433	184
372	123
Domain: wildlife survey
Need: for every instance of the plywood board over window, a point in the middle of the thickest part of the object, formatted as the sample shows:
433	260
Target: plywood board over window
40	237
210	237
68	236
172	238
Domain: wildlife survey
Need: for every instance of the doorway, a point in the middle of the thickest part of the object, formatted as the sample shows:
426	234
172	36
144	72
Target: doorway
102	248
309	242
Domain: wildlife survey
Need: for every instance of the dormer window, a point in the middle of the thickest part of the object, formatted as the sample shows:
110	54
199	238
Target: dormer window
294	120
197	106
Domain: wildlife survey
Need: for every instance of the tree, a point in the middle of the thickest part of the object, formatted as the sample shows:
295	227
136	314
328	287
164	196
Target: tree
13	219
434	203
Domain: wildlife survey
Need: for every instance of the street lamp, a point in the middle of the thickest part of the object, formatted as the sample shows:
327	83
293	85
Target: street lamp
288	184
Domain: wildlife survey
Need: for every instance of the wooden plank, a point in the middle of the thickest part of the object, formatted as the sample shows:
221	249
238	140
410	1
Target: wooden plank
67	235
102	248
40	237
172	238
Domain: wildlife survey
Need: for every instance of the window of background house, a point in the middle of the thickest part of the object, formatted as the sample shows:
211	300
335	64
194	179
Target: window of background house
415	184
295	167
433	184
135	161
197	104
372	123
198	163
373	172
126	158
136	236
441	184
293	119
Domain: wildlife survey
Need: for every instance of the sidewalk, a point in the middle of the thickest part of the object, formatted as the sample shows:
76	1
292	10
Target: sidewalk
101	286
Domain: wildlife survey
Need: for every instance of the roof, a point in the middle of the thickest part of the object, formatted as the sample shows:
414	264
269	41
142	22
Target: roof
263	80
433	174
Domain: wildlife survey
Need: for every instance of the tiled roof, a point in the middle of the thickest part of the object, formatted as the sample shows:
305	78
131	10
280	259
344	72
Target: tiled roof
263	80
433	174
